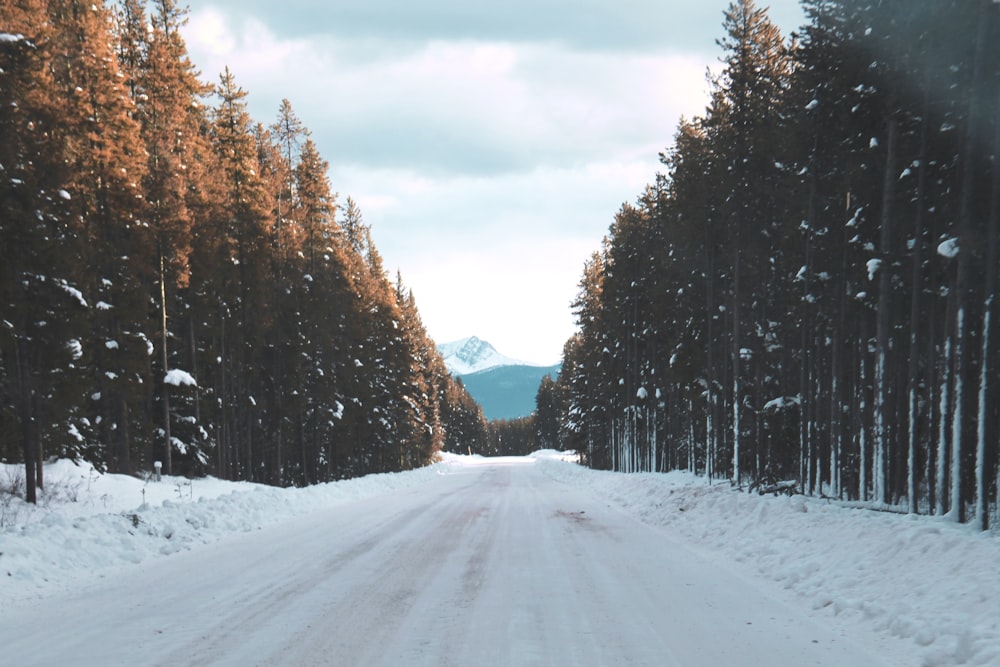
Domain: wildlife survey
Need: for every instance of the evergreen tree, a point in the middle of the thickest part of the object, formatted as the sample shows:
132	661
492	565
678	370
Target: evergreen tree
167	94
743	124
108	210
781	289
243	301
35	237
175	283
548	407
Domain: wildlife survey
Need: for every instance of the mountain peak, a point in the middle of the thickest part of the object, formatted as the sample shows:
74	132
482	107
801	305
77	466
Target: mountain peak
472	354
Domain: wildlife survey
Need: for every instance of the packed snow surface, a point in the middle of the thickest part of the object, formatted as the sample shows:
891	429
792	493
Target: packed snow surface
483	561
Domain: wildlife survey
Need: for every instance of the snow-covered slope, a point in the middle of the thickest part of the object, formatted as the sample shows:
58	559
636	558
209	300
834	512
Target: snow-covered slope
472	355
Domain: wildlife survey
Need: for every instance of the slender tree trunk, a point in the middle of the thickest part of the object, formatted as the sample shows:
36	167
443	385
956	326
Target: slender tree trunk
842	369
803	403
912	382
982	505
124	459
880	444
956	510
862	408
758	419
224	420
944	403
279	419
989	301
167	446
736	358
40	453
836	420
965	241
930	466
710	360
300	432
806	327
29	420
816	405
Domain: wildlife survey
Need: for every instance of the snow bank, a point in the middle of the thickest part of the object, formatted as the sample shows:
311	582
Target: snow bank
87	522
918	578
554	455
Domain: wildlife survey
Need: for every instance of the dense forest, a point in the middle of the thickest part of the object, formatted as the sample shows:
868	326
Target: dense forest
521	436
807	296
179	282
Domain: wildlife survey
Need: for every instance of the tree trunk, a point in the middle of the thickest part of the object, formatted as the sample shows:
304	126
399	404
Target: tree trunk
167	447
29	421
862	427
944	410
880	444
736	356
124	462
912	380
965	241
989	303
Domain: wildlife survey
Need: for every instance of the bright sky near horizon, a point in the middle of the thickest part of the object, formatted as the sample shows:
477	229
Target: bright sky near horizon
489	145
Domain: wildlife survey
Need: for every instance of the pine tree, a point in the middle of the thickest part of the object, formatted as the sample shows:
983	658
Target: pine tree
548	407
108	170
41	336
793	265
165	89
244	301
743	128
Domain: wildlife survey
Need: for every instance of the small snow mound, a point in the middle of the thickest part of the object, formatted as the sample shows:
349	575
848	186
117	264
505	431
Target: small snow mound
873	267
177	377
948	248
569	456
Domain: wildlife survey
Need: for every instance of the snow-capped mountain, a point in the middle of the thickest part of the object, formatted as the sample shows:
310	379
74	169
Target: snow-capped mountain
472	355
504	387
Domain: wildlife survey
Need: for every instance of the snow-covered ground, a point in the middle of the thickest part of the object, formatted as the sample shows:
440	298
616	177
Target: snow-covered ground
87	523
910	590
922	579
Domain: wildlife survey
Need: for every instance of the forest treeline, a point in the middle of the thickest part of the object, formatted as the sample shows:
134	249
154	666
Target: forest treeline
178	281
807	292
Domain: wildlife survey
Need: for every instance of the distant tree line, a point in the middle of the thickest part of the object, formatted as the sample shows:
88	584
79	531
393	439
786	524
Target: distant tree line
509	437
179	283
521	436
809	292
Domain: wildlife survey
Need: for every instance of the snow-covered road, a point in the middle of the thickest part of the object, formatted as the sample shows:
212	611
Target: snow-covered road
492	562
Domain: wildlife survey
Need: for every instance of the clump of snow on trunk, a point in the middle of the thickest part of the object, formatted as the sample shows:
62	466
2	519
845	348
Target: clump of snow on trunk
177	377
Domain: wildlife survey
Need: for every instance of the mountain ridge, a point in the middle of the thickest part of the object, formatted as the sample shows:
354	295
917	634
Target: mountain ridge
473	355
504	387
507	392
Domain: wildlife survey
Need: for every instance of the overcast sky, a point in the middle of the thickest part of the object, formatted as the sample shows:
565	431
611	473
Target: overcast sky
489	145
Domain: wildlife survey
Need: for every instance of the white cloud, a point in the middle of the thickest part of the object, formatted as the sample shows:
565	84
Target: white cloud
498	257
207	32
490	162
459	106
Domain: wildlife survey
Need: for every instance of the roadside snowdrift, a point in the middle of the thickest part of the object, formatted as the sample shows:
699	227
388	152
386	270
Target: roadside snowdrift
87	523
918	578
